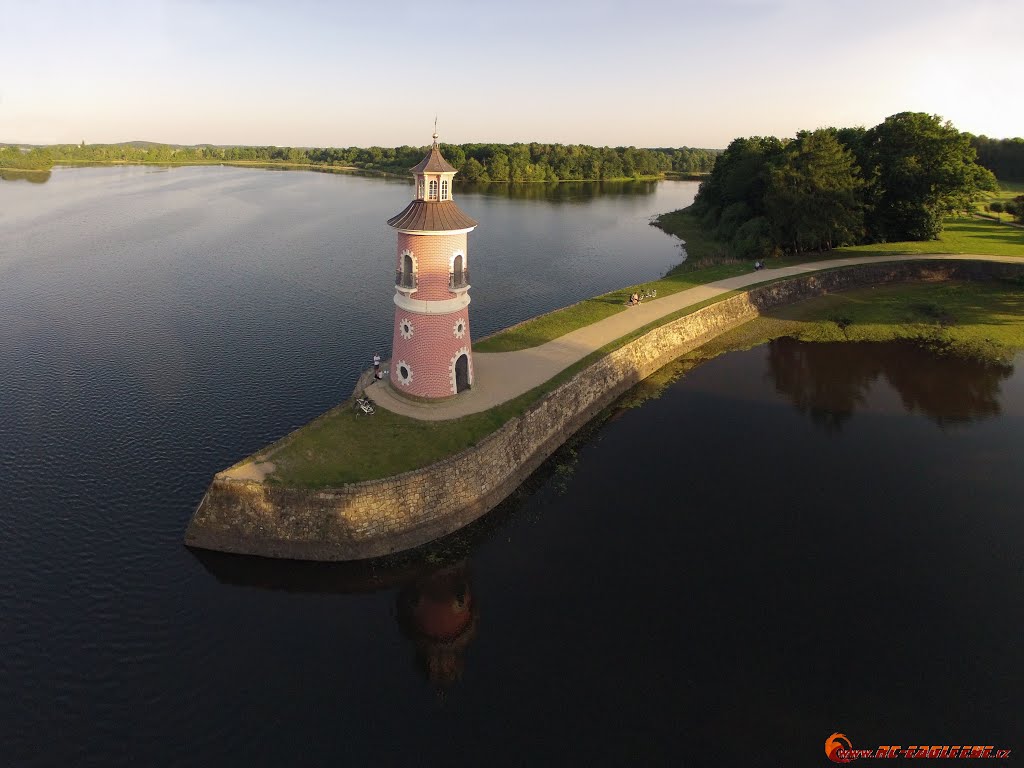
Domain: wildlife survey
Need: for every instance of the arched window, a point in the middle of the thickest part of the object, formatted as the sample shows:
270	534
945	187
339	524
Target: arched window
433	190
405	277
458	277
444	189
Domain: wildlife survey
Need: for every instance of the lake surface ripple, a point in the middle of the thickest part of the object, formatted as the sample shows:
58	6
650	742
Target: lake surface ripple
789	541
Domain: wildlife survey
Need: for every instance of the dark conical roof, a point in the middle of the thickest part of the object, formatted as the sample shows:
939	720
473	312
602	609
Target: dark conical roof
432	216
433	162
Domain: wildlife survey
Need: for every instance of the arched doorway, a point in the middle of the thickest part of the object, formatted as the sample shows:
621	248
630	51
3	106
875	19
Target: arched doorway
462	374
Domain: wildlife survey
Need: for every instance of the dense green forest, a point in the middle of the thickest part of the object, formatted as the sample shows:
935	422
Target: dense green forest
831	187
32	159
476	162
1004	157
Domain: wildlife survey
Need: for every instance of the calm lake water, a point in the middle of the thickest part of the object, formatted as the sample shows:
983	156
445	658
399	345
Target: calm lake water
787	542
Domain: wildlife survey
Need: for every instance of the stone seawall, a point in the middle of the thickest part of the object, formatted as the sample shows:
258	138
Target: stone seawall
377	517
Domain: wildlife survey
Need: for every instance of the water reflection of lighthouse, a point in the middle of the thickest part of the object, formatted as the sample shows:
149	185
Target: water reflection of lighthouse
436	609
437	612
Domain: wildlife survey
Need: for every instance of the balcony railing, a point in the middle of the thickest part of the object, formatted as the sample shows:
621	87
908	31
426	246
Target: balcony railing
458	280
405	279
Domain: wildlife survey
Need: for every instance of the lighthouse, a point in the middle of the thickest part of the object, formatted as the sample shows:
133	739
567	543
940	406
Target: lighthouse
431	352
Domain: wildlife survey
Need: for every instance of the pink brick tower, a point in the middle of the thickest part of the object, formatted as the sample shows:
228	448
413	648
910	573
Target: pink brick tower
432	356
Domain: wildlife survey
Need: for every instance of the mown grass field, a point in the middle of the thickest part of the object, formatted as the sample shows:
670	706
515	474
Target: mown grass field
959	235
1008	190
983	320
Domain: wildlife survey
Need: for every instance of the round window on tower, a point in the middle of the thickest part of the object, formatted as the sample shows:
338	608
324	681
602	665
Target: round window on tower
405	328
404	373
459	329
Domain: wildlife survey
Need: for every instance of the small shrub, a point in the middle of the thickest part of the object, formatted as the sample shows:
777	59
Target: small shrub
932	311
842	321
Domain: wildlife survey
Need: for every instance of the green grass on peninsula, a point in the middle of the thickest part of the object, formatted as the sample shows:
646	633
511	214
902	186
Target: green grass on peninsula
984	321
708	261
544	328
344	446
979	319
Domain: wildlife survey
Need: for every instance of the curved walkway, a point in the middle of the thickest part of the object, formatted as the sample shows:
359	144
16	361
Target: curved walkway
501	376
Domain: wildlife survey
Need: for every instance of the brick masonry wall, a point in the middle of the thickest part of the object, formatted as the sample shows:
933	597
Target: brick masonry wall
432	343
429	353
433	255
374	518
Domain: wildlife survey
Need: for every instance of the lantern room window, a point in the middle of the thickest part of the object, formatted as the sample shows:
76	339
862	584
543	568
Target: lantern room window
433	190
444	189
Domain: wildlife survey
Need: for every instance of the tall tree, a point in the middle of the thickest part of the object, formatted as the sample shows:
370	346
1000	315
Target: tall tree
924	169
1018	208
472	170
813	197
734	192
498	167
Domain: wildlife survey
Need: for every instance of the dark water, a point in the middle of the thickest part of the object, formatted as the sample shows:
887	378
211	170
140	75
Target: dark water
789	542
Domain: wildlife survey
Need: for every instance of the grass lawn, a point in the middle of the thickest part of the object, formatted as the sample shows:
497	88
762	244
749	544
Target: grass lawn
543	329
984	320
346	446
1007	191
959	235
979	320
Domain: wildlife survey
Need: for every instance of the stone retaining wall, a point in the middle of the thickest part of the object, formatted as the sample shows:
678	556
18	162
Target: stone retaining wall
377	517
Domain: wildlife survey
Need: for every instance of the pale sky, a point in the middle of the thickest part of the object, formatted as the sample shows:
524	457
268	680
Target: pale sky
644	73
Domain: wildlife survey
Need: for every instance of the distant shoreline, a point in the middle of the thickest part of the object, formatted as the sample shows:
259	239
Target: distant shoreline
323	168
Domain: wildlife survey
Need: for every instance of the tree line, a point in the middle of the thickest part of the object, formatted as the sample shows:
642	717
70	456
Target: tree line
33	159
831	187
475	162
1004	157
492	162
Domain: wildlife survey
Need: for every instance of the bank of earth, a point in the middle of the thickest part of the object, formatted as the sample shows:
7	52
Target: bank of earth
302	511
